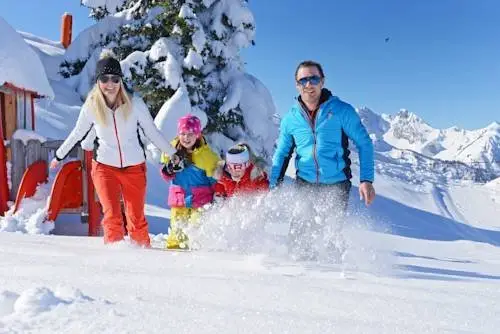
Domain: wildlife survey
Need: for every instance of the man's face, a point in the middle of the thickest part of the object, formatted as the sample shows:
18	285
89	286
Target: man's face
309	84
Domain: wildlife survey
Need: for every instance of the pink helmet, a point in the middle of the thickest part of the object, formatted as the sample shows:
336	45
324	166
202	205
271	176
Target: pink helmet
189	123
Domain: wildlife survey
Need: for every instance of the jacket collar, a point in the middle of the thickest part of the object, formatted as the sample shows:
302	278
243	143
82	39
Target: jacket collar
325	96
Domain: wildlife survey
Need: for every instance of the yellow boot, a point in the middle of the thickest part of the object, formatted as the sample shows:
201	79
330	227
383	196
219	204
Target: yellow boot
176	238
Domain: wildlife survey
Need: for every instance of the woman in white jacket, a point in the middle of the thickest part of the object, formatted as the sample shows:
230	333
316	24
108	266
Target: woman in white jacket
119	167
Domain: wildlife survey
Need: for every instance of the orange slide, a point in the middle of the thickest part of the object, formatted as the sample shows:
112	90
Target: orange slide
66	192
32	177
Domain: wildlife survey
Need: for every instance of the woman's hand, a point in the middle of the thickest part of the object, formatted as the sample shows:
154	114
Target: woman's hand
54	163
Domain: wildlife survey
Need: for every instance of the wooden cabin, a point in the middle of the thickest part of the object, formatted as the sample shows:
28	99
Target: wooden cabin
22	80
17	109
16	112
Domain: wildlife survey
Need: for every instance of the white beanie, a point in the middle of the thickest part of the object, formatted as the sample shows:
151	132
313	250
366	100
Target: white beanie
237	154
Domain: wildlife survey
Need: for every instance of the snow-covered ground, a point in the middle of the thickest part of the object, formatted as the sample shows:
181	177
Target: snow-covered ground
61	284
424	258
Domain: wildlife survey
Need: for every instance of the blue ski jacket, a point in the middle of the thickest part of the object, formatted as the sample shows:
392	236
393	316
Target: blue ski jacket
321	143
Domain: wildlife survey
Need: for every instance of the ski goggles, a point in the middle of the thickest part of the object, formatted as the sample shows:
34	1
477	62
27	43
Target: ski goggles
237	166
313	80
107	77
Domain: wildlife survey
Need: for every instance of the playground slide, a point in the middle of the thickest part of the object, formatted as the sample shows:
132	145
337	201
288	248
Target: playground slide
35	174
66	190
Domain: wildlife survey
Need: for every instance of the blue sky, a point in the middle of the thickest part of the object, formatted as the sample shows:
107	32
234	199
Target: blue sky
442	60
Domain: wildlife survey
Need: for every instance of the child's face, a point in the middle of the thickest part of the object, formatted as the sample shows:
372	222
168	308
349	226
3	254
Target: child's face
237	170
188	139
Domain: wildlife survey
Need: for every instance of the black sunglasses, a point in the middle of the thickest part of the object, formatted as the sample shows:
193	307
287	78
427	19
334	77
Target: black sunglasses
105	78
313	79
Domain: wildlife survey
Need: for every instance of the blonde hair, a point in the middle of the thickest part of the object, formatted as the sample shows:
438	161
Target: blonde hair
97	103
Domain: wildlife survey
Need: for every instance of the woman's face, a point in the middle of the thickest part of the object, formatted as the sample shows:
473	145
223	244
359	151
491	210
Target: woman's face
187	139
109	85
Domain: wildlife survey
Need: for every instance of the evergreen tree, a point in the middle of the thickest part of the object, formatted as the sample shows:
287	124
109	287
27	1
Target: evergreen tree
171	45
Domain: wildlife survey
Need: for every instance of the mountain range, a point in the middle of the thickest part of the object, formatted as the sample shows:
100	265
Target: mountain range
477	150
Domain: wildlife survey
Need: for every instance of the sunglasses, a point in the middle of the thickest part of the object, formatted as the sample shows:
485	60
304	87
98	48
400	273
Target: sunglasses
313	79
114	78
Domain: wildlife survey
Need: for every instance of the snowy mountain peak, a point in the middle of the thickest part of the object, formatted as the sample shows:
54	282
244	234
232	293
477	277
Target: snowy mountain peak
406	116
407	127
376	124
407	131
493	127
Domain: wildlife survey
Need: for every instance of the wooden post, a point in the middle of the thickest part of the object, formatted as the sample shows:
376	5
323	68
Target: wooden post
33	151
4	186
94	208
84	215
18	165
32	101
66	29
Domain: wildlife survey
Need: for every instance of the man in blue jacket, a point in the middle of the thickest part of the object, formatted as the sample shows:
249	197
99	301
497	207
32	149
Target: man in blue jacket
317	128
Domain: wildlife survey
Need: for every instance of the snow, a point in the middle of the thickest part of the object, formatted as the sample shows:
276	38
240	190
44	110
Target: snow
494	183
171	71
82	48
51	53
172	60
26	135
20	65
31	217
424	258
176	107
406	131
186	12
257	107
199	40
238	15
193	60
111	5
76	284
136	60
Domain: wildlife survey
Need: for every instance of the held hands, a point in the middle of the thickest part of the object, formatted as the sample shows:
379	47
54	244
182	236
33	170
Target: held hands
366	192
175	165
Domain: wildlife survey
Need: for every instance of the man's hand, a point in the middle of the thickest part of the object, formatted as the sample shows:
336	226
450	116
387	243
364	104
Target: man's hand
366	192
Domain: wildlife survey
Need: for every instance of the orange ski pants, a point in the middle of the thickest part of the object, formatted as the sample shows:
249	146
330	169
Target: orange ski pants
111	183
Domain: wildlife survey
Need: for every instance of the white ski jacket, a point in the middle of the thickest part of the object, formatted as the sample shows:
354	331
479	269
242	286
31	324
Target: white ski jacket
118	140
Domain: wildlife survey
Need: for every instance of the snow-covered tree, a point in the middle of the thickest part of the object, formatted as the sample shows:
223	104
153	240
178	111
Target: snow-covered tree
181	56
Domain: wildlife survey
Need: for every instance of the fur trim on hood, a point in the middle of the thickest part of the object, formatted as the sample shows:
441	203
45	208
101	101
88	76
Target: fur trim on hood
219	170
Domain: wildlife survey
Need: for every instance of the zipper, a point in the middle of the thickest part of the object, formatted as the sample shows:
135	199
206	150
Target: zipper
312	124
118	140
